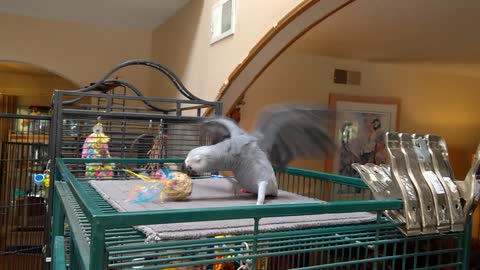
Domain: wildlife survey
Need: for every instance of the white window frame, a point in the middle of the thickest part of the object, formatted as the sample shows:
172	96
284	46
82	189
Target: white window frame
231	31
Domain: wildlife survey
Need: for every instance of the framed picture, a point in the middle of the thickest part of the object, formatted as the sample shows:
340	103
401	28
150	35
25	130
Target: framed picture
359	131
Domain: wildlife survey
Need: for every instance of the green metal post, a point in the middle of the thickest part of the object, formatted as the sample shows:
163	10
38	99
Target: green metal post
59	253
467	242
97	248
73	264
377	238
58	217
255	242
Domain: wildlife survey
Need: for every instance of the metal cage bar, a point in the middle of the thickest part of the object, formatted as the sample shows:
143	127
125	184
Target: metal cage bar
23	201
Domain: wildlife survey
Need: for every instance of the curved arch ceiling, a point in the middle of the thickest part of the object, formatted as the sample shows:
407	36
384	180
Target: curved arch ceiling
439	35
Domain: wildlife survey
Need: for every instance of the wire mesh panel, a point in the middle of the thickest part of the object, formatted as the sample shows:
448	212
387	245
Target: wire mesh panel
130	134
23	155
134	124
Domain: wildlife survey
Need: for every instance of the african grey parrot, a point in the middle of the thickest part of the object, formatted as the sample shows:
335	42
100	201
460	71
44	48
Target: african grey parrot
283	132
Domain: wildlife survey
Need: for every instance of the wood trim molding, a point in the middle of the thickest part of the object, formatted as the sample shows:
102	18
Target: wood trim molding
299	20
302	7
235	113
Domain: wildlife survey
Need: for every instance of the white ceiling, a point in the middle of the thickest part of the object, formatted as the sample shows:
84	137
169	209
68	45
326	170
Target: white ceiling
134	14
431	34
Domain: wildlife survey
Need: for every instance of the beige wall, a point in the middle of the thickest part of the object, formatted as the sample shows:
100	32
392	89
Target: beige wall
83	53
32	89
443	104
80	52
183	43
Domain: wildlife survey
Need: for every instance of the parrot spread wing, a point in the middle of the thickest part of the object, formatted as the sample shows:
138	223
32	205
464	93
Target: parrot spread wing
287	132
284	132
219	128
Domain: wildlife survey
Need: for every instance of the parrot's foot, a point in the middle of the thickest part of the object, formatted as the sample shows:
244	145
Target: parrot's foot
236	190
235	187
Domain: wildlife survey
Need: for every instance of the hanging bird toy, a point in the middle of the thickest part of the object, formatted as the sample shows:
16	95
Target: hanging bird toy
96	146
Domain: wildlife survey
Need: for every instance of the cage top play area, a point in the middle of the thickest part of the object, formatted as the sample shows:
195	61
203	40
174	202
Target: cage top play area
319	220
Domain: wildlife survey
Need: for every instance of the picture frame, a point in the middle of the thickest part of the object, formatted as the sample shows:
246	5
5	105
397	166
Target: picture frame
359	130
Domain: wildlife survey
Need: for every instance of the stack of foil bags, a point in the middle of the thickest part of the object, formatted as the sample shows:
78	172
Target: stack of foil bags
421	176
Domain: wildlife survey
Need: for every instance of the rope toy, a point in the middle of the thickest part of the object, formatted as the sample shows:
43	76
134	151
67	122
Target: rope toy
177	187
154	168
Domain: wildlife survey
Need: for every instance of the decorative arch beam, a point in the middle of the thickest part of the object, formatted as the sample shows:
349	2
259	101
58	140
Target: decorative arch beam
283	34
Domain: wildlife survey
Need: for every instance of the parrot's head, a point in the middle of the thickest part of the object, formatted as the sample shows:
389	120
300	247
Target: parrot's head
199	160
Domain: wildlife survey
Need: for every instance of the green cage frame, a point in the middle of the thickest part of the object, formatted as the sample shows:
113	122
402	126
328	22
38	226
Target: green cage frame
99	237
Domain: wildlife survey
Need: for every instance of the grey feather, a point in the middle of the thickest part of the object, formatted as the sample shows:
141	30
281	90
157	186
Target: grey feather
219	128
287	132
283	133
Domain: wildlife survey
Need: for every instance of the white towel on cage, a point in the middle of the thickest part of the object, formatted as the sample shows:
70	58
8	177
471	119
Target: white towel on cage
209	193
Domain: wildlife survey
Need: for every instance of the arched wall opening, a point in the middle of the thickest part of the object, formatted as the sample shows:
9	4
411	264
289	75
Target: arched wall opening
30	84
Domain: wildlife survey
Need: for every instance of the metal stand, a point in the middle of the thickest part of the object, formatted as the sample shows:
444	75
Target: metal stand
420	174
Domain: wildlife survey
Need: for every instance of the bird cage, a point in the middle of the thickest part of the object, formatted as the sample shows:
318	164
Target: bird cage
319	220
136	126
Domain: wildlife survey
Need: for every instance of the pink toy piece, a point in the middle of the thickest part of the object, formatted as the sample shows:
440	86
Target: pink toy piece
158	174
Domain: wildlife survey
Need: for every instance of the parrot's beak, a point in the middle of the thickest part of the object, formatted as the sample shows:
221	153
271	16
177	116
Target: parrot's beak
188	170
184	168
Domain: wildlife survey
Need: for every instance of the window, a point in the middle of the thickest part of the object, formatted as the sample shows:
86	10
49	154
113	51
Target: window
223	20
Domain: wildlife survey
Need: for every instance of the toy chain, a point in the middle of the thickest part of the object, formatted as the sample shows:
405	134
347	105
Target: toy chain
245	264
158	148
162	138
98	128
